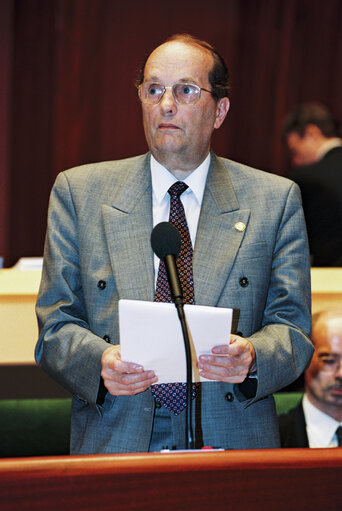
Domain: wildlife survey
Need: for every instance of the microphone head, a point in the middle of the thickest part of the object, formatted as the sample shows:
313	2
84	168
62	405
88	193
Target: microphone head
165	240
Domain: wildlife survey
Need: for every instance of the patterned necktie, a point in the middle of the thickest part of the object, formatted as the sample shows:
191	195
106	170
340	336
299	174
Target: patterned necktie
339	436
173	395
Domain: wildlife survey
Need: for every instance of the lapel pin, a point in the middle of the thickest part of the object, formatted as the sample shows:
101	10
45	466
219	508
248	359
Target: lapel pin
240	226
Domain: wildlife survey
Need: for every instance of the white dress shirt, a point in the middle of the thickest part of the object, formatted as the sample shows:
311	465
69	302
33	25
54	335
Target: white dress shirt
328	145
191	199
320	427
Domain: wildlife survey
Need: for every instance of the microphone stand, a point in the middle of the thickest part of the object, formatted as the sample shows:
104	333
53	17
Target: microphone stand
188	424
177	298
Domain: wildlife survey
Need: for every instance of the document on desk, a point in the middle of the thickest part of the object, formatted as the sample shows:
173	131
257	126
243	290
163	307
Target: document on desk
151	335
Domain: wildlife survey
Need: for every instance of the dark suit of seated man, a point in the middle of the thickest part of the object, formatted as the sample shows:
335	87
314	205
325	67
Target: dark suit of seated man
317	420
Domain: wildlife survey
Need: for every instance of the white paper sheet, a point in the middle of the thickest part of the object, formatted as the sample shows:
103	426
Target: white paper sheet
151	335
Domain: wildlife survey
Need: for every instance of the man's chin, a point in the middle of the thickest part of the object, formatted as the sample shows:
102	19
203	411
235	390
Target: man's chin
171	149
337	394
334	396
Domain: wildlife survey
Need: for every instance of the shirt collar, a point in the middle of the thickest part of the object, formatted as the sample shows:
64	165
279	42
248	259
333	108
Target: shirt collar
162	179
328	145
324	425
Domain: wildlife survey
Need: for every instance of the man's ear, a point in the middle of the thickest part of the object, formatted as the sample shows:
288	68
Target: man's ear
312	131
222	108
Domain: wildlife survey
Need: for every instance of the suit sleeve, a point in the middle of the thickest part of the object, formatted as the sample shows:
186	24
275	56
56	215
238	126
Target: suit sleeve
282	345
66	348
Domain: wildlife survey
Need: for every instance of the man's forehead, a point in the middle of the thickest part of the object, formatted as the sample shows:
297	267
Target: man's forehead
327	333
180	47
175	54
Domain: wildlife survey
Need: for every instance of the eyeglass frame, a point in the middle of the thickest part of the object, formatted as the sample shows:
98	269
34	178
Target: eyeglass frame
171	87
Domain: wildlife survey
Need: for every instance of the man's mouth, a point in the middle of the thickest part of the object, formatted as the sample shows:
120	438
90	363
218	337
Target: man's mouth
167	126
336	389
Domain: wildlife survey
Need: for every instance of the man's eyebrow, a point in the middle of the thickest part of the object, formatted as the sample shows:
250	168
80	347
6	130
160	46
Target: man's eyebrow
327	354
180	80
153	79
185	80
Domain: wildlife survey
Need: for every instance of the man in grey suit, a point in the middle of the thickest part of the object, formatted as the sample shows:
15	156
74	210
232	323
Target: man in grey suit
250	254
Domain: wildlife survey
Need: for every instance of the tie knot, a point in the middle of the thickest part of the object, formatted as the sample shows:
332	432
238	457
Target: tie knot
177	189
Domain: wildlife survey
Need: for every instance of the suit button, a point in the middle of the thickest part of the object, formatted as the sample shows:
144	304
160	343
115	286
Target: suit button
244	282
158	405
106	338
101	284
229	397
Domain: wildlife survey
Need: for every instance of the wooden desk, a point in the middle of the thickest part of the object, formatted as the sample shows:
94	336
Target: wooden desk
267	480
326	287
18	293
19	331
20	377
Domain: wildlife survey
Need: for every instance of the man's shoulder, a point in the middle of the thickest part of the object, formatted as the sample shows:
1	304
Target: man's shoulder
292	427
287	418
334	156
102	169
320	170
240	172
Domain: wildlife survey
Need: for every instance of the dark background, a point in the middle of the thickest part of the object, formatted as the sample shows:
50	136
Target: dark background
67	69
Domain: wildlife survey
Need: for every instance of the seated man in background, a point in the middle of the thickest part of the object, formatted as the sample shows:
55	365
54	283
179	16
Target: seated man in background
312	137
317	420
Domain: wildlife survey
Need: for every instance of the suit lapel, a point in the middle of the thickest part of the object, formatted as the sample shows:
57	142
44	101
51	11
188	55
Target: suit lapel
300	434
128	226
219	235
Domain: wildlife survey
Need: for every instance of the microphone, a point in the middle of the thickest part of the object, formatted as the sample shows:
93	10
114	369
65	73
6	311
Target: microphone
166	244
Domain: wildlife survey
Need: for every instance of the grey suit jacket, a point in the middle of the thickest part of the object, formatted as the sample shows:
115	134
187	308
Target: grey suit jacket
98	251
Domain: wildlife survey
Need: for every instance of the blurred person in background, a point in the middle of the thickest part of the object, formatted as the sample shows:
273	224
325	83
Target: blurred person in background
312	137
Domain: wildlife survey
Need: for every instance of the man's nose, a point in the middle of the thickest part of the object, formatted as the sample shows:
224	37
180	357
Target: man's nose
338	373
168	103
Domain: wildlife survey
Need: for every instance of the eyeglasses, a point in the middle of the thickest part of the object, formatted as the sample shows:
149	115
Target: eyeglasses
330	363
184	93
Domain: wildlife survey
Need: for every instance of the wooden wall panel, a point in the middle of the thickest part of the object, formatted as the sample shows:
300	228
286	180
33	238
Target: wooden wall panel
6	16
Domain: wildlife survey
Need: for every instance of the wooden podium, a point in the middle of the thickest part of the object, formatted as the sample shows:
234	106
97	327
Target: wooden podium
267	480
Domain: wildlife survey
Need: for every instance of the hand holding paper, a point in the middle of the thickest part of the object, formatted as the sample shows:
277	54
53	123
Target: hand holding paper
124	378
151	335
233	368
